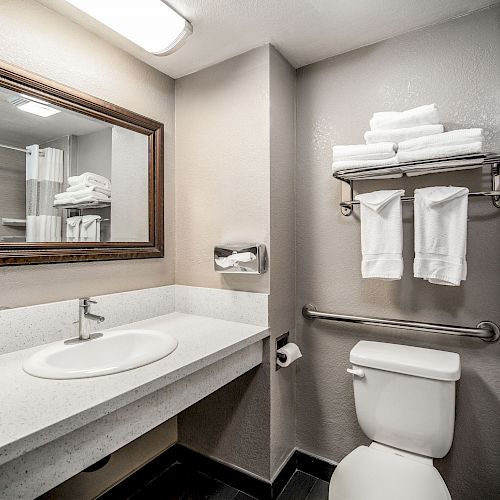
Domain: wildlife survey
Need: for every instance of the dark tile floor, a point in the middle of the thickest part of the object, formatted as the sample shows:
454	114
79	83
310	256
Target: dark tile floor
179	482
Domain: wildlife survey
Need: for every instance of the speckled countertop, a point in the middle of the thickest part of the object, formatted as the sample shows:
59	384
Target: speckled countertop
34	411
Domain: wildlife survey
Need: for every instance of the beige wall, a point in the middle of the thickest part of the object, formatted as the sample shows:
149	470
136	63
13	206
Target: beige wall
456	65
39	40
222	167
235	157
282	251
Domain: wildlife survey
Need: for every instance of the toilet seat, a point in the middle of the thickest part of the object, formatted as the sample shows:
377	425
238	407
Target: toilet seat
372	474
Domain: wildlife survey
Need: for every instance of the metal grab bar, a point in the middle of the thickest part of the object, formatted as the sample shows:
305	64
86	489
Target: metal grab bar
485	330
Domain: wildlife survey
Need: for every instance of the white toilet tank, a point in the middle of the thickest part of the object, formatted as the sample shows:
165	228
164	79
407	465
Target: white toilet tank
405	396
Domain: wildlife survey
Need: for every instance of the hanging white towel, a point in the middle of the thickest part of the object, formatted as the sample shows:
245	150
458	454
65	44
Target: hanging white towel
441	234
90	229
381	234
423	115
380	151
73	228
401	134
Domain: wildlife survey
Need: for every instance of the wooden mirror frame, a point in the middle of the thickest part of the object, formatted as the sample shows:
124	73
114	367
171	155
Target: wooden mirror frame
19	80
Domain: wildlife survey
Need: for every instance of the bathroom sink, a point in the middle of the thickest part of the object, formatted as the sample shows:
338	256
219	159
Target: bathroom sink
113	352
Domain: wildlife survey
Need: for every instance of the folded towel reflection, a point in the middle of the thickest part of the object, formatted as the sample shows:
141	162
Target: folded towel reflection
80	201
235	259
381	234
441	234
87	189
401	134
90	179
423	115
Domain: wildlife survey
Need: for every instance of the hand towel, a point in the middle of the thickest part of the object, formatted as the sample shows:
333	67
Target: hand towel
451	138
84	188
378	151
351	164
381	234
444	151
73	228
423	115
90	179
441	234
90	229
401	134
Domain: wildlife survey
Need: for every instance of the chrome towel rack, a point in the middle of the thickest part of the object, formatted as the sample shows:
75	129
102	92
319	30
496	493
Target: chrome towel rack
485	330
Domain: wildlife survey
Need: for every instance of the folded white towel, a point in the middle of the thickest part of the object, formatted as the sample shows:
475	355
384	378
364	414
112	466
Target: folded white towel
381	234
423	115
440	152
90	179
451	138
90	229
441	234
350	164
401	134
84	188
378	151
75	201
73	228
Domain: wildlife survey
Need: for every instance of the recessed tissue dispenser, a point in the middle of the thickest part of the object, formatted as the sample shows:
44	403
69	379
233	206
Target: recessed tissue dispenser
244	258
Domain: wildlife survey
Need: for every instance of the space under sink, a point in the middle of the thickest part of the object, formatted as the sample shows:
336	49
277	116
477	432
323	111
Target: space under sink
112	352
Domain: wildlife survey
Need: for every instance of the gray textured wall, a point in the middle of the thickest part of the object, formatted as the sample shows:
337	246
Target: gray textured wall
456	65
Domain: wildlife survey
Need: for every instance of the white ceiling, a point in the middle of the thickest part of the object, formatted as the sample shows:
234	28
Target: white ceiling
304	31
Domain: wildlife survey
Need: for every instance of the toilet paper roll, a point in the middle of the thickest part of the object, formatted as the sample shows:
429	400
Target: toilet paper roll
292	353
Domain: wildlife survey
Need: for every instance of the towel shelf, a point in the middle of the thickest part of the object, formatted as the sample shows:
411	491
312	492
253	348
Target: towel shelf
439	165
485	330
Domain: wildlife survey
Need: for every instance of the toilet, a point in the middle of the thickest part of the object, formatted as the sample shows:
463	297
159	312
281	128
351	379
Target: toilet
405	403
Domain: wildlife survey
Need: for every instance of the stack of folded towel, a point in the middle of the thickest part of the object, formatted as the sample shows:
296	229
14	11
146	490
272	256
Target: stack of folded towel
454	143
364	155
85	188
415	134
396	126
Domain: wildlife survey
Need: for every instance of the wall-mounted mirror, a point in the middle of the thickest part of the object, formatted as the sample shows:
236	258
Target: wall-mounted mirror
80	179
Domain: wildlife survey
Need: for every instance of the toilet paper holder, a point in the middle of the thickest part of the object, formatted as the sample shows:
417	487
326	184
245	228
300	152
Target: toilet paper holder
281	341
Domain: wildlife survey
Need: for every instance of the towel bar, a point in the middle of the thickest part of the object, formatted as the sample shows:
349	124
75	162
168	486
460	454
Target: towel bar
485	330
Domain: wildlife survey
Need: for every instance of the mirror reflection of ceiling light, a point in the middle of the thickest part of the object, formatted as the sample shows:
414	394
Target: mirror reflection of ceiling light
151	24
37	108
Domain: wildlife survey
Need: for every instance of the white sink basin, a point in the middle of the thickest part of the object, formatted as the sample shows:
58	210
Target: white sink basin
114	352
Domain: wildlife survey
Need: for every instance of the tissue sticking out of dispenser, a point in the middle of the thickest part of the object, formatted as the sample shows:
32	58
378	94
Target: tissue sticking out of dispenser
243	258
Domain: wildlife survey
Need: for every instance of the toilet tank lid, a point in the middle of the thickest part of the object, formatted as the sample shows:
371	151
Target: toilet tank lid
416	361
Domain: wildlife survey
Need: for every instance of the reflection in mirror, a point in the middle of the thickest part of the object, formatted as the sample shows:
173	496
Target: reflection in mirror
66	177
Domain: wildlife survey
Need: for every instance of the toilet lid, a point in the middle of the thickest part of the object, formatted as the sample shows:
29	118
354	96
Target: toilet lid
371	474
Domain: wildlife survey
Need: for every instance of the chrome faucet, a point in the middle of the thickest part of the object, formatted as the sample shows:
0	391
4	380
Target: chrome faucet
84	308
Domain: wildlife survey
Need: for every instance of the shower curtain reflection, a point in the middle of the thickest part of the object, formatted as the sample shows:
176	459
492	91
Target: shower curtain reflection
44	178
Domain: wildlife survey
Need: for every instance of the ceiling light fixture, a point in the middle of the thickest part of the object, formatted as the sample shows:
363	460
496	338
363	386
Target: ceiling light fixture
151	24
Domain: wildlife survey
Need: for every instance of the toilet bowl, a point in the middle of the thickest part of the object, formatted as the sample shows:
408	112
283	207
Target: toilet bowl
405	402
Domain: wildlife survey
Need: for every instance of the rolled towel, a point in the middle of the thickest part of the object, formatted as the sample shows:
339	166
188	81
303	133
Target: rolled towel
423	115
441	234
401	134
443	151
352	164
84	187
381	234
380	151
90	179
452	138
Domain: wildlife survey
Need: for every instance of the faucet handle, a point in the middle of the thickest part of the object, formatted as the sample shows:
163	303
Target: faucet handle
85	301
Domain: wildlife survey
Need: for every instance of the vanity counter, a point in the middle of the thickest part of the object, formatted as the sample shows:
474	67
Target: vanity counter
35	411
